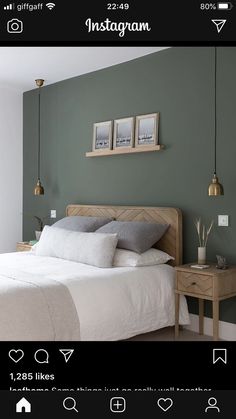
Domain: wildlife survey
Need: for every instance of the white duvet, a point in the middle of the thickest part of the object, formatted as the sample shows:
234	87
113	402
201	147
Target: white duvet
112	304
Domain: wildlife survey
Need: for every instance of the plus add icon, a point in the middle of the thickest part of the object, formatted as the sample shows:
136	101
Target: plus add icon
117	404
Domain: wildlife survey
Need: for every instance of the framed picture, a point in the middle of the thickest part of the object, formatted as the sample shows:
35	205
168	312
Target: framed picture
146	131
123	133
102	136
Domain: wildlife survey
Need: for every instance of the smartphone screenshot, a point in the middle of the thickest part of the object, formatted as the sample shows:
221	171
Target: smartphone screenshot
118	232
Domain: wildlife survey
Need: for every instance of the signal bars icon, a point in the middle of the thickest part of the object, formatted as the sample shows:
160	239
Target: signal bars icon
9	7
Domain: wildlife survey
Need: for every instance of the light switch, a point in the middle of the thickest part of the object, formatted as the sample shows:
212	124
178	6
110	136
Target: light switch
223	220
53	213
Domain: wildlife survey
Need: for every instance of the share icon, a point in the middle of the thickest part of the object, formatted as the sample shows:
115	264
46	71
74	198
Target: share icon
219	23
66	353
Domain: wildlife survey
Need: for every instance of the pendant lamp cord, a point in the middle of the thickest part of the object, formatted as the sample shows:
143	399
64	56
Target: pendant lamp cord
215	107
39	135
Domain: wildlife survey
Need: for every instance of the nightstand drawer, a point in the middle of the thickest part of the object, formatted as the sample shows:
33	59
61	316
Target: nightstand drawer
195	284
23	247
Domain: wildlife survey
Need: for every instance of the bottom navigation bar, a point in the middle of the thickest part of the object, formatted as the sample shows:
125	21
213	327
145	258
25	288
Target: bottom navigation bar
129	403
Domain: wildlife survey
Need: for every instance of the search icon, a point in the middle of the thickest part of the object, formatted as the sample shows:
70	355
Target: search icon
69	404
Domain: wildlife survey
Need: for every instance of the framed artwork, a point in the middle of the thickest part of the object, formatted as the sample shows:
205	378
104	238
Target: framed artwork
146	131
123	133
102	136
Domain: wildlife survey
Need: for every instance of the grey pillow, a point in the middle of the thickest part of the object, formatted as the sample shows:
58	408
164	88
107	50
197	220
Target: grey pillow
135	235
81	223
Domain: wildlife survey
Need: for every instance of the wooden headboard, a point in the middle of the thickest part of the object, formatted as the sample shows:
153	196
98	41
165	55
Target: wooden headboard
171	242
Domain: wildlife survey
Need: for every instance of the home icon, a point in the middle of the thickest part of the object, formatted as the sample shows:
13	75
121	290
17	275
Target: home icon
23	406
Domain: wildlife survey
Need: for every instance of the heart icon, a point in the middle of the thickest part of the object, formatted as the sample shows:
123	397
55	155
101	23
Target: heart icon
16	355
165	404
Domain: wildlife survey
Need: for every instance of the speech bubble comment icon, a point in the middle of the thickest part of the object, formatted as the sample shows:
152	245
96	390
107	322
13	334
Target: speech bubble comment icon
41	356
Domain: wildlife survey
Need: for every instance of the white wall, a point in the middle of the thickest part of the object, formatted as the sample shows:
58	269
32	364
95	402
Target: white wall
11	169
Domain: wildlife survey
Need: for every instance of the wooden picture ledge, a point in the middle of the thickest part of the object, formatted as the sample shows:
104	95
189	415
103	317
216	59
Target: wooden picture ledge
124	150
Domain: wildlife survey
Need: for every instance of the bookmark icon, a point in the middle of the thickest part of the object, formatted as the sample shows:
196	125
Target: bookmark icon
66	353
219	355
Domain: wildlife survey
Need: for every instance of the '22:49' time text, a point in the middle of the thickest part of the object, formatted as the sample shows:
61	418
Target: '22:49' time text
115	6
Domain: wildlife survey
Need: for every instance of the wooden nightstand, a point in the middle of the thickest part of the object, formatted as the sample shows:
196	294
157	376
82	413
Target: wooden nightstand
23	247
205	284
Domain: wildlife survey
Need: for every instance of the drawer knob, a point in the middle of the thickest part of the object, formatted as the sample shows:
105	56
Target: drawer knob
193	283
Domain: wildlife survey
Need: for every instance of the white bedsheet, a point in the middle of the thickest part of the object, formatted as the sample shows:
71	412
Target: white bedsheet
112	304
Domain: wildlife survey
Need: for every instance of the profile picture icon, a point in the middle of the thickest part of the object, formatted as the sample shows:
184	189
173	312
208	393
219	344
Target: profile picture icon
212	406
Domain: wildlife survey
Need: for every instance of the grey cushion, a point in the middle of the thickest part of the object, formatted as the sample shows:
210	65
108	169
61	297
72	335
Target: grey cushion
135	235
81	223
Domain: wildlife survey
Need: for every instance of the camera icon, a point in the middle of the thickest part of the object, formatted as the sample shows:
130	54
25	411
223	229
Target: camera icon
14	26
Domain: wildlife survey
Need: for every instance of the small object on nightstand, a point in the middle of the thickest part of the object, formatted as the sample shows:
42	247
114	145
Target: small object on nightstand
221	262
200	266
203	233
32	242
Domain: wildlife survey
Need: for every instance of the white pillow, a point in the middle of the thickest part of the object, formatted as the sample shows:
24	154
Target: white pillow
90	248
150	257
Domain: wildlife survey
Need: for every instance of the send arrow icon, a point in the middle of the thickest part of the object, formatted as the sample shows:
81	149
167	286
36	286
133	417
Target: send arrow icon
219	23
66	353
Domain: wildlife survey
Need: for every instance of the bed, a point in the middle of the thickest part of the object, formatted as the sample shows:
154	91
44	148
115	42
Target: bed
48	298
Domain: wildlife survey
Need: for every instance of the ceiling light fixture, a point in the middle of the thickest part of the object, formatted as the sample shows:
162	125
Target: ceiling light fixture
39	190
215	188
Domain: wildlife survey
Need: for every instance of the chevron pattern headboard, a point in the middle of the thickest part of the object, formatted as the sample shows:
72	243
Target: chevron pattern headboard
171	242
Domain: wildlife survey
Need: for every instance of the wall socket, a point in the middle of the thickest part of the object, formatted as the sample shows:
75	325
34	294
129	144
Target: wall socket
53	214
223	220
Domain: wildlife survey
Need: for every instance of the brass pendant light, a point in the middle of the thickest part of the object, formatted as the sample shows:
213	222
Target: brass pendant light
215	188
39	190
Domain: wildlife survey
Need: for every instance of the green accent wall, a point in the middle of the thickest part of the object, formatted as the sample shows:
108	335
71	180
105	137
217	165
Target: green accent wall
178	83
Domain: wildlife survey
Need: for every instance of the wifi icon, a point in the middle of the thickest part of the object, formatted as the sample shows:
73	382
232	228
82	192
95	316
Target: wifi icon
50	5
